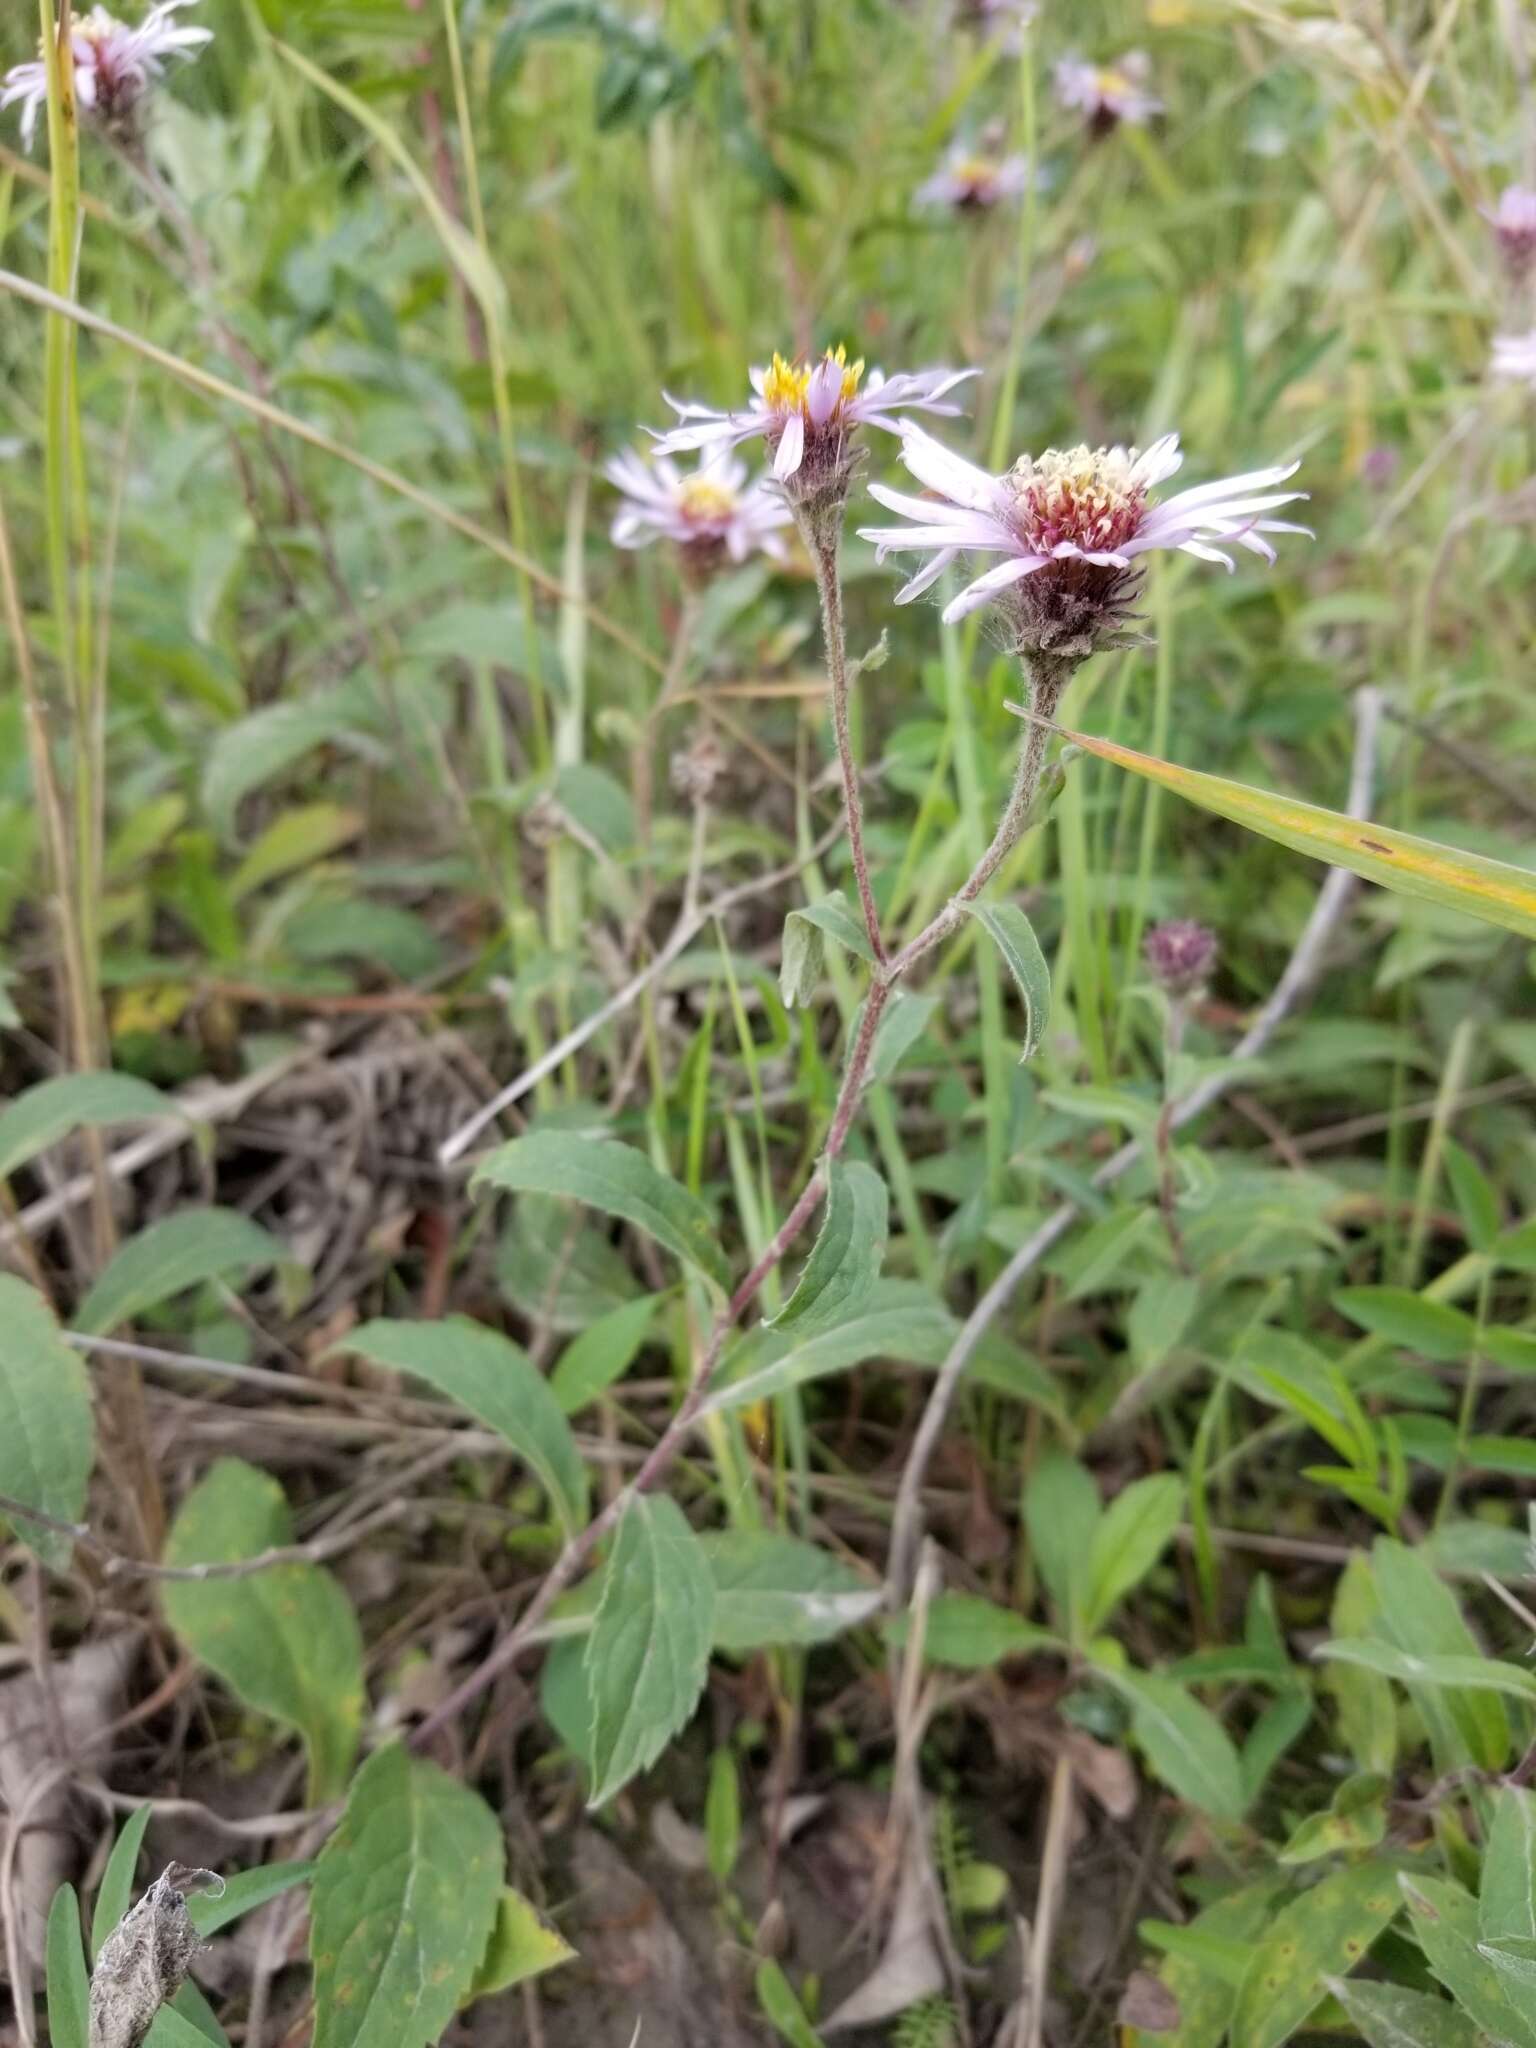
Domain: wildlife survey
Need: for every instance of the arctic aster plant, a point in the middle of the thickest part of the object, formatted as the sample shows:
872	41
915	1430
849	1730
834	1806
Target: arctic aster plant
972	181
115	65
806	411
1106	94
1070	526
712	513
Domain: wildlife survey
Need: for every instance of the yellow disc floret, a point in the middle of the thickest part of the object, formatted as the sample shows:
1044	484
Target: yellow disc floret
705	501
785	384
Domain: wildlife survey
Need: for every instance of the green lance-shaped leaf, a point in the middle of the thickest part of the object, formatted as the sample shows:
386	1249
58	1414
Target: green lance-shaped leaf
618	1180
47	1438
1183	1742
1388	2016
114	1895
69	1986
1322	1933
243	1893
40	1116
1128	1539
182	1251
284	1639
521	1947
602	1353
1467	1722
1507	1893
1204	1966
1014	936
405	1897
803	952
899	1322
1446	1674
1355	1819
648	1653
772	1589
840	1274
497	1382
1444	1919
971	1634
1492	890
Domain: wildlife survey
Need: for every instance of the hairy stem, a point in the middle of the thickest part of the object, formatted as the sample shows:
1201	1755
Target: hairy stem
1046	686
823	548
580	1547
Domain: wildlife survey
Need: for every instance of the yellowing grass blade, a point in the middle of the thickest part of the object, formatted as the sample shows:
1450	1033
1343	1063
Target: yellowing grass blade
1489	889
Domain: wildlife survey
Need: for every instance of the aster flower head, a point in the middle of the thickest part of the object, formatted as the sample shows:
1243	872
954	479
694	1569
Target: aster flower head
1107	94
115	66
1180	955
972	181
1070	526
1514	356
1513	222
1006	20
711	513
806	412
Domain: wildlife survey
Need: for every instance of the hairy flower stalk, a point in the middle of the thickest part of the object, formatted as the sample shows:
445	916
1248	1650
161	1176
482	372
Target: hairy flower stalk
808	413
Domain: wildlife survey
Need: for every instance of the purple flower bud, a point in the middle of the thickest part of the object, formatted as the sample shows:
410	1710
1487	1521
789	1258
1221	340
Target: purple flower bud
1180	955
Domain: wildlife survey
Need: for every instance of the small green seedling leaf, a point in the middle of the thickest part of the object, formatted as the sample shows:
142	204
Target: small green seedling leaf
1355	1820
69	1986
522	1946
115	1894
1130	1537
722	1816
971	1634
1061	1513
602	1354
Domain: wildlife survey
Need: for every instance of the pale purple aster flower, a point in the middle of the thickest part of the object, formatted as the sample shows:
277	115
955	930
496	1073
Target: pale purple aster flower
1107	94
806	411
1070	525
1180	955
115	65
1514	355
1004	19
711	513
972	181
1513	222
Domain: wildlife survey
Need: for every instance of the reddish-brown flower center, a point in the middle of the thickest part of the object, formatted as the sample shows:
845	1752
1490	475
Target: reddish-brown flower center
1089	497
